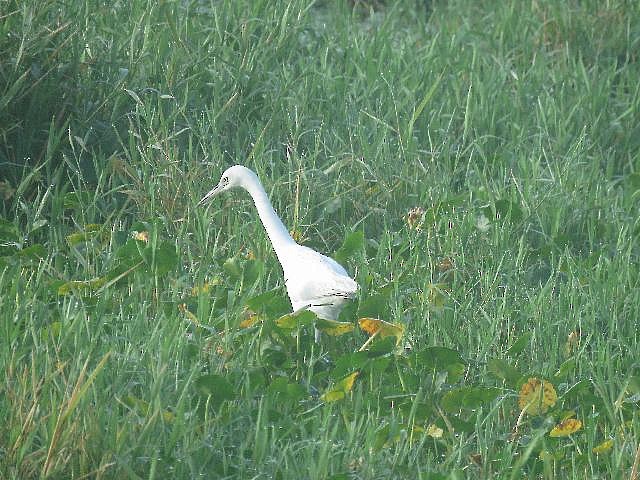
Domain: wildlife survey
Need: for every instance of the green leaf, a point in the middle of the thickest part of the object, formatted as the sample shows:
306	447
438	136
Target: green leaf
9	231
353	242
381	437
14	254
380	348
348	363
582	394
504	210
520	344
566	368
76	200
441	359
295	320
34	252
427	97
577	390
287	390
504	371
633	181
435	296
130	253
468	397
165	258
633	385
215	386
387	435
83	287
141	407
274	356
460	425
252	269
89	232
421	411
377	366
340	476
271	303
231	267
161	257
53	329
376	305
437	476
348	312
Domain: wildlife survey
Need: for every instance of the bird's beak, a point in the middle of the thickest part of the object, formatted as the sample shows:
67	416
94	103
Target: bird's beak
207	198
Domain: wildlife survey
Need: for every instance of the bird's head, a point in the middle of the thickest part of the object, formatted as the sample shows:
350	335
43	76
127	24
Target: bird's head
236	176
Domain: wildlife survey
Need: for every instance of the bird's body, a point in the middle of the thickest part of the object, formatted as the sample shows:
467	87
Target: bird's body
314	281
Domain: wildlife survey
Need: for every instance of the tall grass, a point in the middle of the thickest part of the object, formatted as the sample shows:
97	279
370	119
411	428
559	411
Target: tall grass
512	126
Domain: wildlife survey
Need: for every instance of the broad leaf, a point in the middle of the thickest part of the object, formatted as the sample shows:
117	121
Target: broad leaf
287	390
504	371
333	327
520	344
349	363
504	210
468	397
89	232
340	389
375	326
271	303
353	243
441	359
215	386
295	320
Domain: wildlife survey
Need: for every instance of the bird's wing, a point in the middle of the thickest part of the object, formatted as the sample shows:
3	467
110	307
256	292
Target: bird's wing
311	276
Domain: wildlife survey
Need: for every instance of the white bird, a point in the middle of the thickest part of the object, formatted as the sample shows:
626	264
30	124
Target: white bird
314	281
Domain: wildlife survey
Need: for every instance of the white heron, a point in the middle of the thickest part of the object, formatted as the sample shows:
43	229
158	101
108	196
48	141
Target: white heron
314	281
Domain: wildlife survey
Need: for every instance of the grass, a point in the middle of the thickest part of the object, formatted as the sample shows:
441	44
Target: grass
511	129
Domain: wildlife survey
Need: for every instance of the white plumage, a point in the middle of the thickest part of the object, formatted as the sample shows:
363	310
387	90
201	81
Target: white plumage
314	281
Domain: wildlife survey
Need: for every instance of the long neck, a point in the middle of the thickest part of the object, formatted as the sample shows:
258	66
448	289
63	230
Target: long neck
277	232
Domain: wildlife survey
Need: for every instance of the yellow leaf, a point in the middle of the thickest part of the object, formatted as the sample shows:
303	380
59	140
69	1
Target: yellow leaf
573	342
445	264
545	455
536	396
141	407
340	389
168	416
415	218
604	447
141	236
333	327
566	428
298	236
205	287
434	431
190	316
375	326
435	295
251	318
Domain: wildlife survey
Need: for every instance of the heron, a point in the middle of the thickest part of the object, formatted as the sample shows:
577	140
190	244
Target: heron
313	281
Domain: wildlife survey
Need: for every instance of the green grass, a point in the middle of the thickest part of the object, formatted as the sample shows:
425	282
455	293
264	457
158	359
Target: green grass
514	126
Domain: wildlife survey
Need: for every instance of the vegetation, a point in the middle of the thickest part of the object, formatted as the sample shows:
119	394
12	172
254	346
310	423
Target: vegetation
475	165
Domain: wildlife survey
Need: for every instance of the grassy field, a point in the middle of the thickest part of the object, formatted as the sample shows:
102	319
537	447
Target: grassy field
474	164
